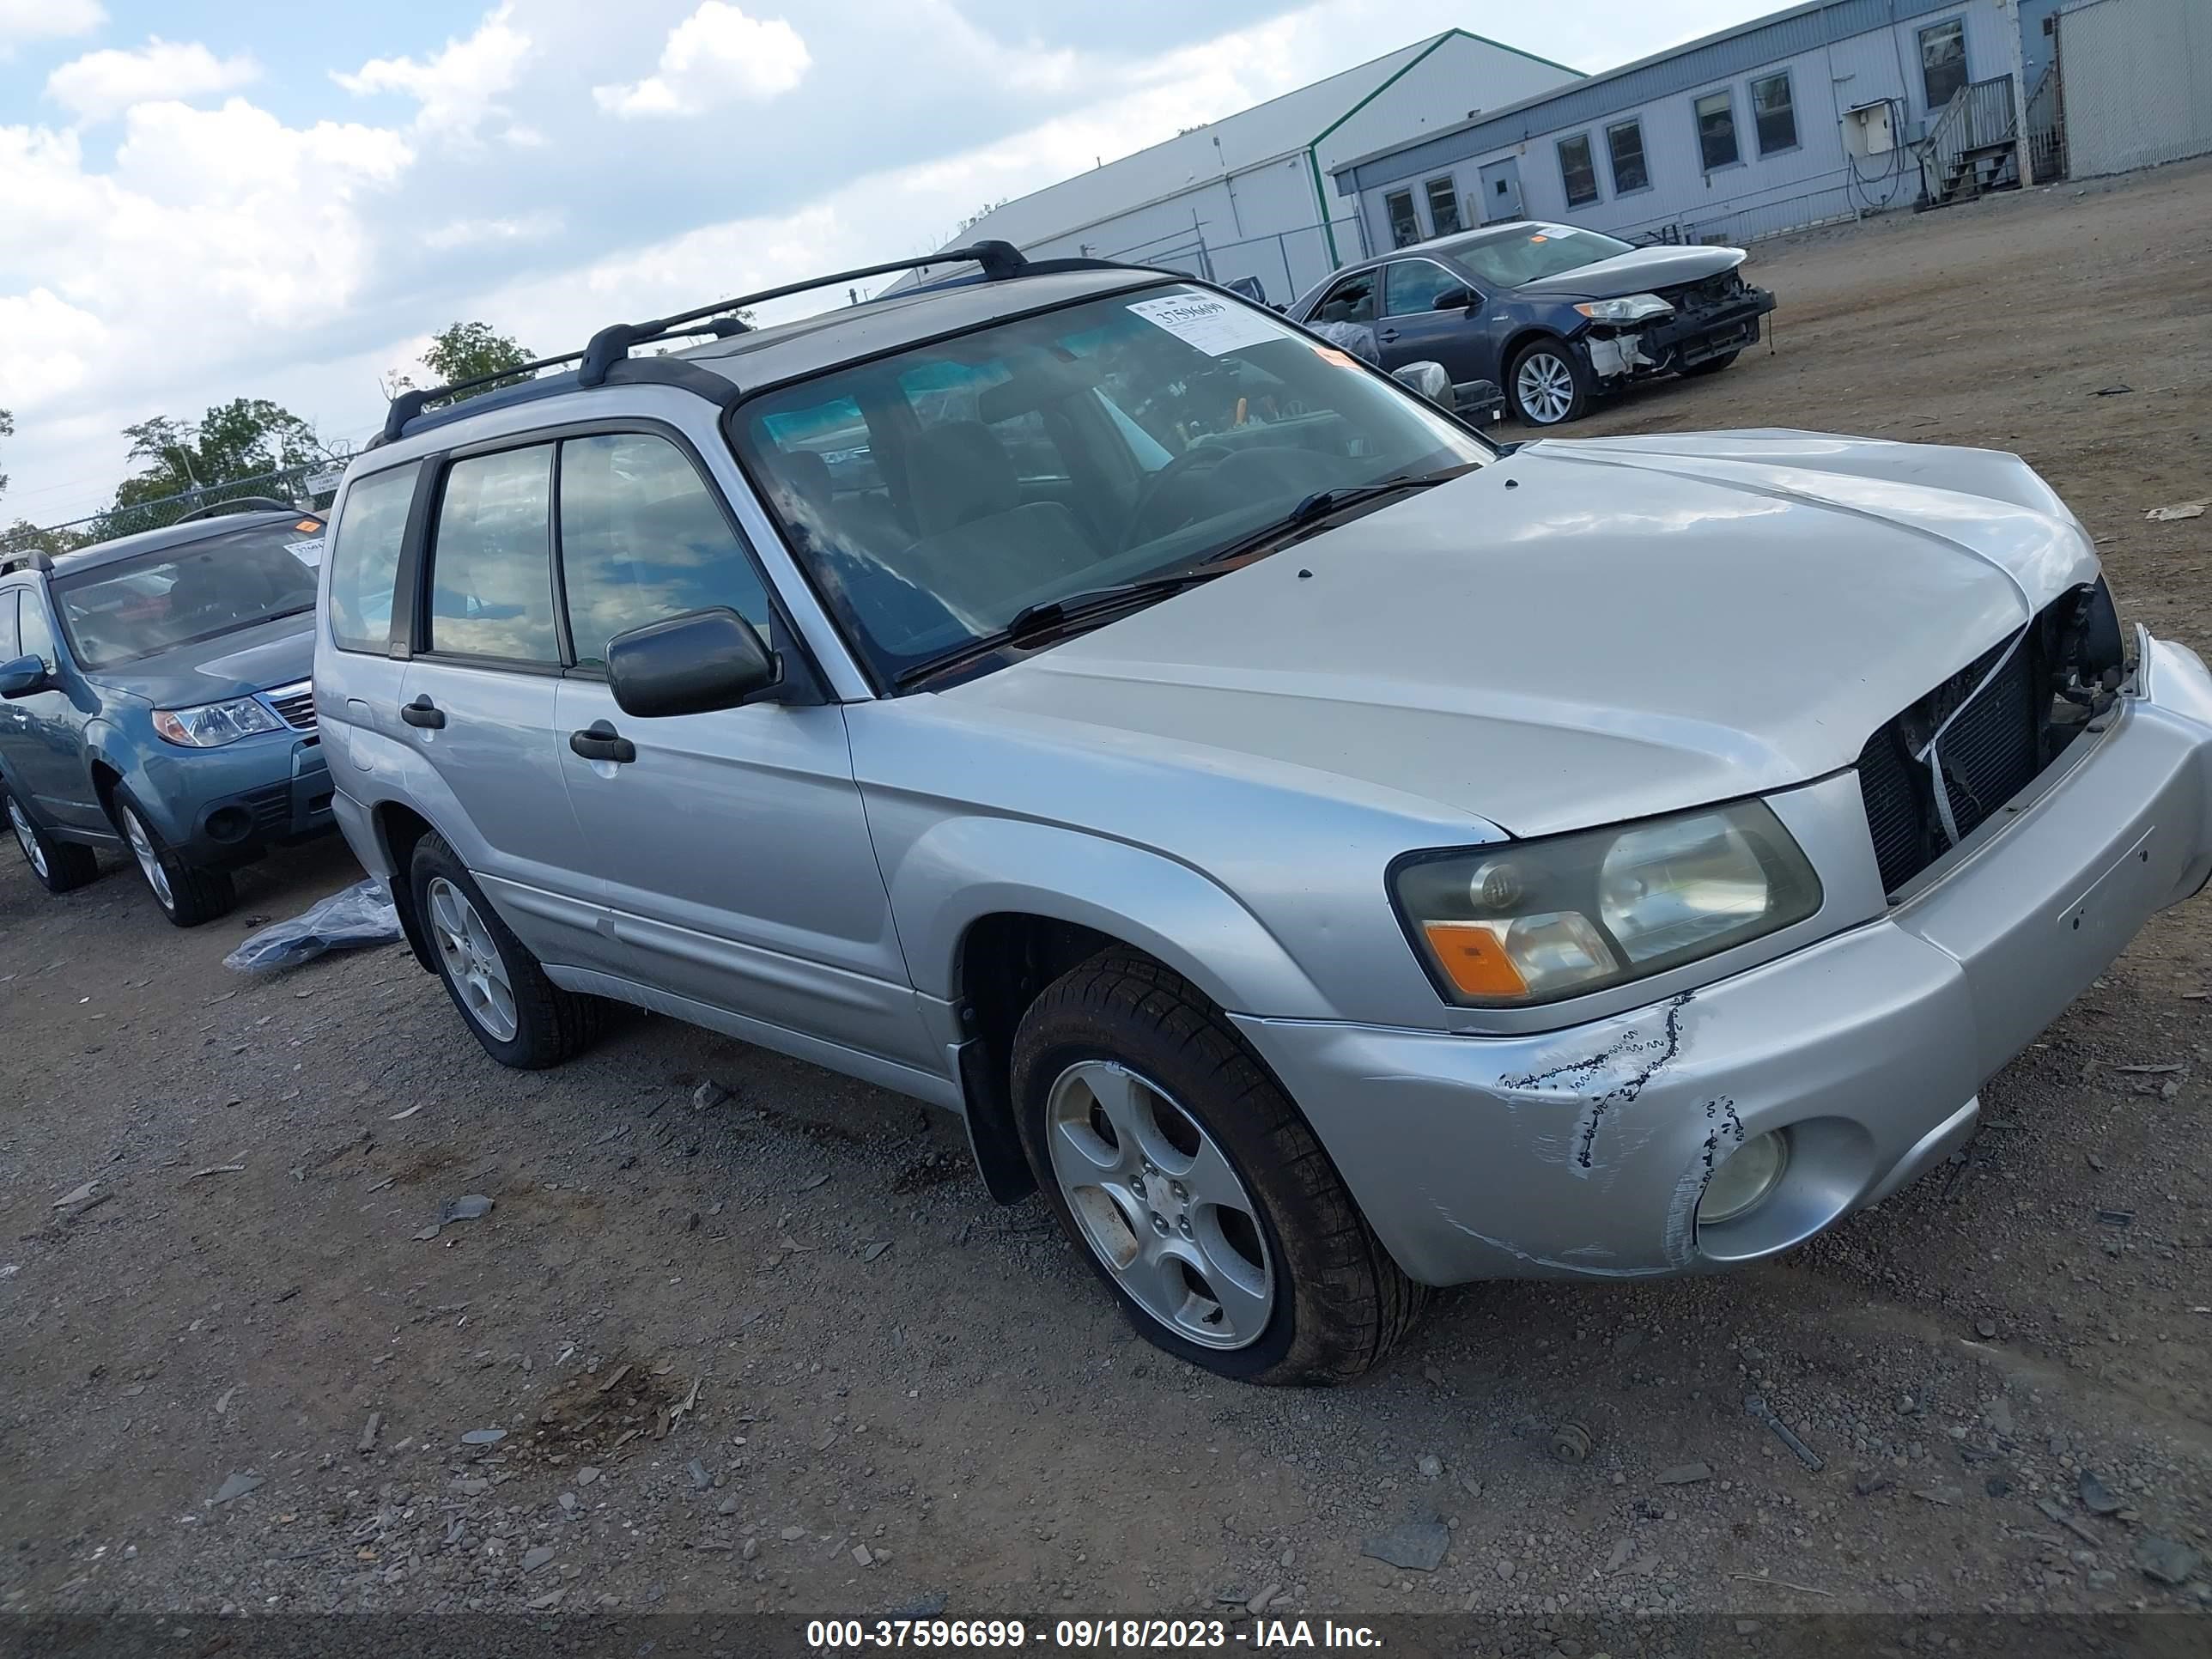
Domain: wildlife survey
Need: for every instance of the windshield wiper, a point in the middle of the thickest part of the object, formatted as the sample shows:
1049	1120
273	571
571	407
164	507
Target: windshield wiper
1051	618
1323	502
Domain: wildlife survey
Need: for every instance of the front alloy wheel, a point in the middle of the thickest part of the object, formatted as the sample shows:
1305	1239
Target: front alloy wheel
1549	387
1160	1205
188	896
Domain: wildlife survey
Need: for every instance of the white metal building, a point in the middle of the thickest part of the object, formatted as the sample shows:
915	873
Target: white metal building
1806	116
1248	196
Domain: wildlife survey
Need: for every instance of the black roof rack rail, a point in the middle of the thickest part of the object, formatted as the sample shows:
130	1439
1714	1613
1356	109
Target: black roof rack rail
612	345
241	503
28	558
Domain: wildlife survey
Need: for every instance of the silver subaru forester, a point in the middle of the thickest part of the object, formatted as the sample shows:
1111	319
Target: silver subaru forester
1328	853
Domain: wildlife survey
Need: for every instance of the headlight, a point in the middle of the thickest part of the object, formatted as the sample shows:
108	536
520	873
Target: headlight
1635	308
1532	921
213	723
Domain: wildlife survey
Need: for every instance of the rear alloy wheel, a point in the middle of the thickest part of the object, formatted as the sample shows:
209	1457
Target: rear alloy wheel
1549	386
188	896
59	865
1192	1185
520	1016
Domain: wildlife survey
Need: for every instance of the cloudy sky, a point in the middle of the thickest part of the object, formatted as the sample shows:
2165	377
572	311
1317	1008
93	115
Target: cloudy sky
204	199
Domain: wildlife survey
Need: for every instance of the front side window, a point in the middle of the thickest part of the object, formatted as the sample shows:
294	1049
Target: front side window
1180	421
491	564
1624	145
1577	171
365	559
1943	62
1352	301
1514	257
1444	207
1717	130
1405	228
644	538
1412	286
1773	115
157	602
35	636
10	642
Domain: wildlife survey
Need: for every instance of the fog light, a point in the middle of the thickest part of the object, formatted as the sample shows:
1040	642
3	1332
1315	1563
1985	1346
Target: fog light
1745	1179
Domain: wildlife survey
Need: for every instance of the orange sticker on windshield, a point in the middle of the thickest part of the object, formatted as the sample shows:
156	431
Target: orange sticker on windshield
1331	355
1539	238
307	525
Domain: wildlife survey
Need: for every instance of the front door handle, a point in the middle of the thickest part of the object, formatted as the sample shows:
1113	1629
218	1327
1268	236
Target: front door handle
601	742
1389	334
424	712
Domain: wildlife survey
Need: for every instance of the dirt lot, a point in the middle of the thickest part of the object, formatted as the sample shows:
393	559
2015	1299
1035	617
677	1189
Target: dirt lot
719	1388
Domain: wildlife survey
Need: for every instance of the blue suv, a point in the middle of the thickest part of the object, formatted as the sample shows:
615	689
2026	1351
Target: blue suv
155	695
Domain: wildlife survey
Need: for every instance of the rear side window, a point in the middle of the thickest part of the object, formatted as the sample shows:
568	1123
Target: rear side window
492	563
642	539
365	559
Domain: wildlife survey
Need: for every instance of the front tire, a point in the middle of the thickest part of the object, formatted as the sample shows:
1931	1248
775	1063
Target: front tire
59	865
188	896
1191	1184
1711	365
1549	383
522	1019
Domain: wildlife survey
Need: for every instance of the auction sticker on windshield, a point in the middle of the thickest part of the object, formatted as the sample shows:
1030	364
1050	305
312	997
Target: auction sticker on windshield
1214	326
309	553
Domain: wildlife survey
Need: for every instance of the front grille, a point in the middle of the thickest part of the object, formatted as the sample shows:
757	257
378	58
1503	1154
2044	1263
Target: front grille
294	705
1991	752
1724	289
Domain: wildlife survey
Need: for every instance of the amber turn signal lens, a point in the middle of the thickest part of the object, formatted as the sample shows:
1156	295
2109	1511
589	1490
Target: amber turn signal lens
1473	960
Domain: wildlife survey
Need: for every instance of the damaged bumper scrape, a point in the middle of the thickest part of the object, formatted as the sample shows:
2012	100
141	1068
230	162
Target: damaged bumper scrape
1585	1151
1683	340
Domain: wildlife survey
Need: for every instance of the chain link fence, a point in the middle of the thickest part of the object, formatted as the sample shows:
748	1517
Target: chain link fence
308	488
1275	269
2136	81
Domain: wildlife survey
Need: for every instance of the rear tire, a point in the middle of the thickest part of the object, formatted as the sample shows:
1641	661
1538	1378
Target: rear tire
1191	1184
522	1019
188	896
1711	365
59	865
1549	383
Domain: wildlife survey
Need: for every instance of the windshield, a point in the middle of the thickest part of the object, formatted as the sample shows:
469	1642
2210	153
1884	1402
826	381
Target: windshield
1534	251
140	607
934	494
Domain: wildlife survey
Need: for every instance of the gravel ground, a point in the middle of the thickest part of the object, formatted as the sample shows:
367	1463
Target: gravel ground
740	1335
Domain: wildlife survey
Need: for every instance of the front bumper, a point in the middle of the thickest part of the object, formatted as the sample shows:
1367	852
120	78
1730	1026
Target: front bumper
274	796
1686	339
1584	1152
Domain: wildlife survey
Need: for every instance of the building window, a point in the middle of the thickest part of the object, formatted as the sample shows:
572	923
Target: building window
1398	206
1773	114
1943	62
1625	144
1578	170
1444	207
1717	130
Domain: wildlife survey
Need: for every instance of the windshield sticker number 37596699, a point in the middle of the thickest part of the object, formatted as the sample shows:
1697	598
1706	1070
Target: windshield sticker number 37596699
1214	326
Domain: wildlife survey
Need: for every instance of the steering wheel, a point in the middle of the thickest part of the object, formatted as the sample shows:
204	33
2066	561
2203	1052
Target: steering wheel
1200	457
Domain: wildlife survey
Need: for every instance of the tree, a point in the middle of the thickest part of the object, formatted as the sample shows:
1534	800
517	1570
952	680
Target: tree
245	437
23	536
463	351
6	430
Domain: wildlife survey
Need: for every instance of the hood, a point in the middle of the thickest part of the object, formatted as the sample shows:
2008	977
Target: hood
1639	271
247	659
1582	633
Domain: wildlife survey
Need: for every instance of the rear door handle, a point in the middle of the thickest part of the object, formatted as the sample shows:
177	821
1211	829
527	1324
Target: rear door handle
423	712
601	742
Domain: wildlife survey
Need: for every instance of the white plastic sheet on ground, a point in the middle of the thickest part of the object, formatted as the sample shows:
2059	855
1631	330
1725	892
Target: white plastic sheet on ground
363	915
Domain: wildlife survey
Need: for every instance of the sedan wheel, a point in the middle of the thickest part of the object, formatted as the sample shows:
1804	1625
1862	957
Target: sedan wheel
1546	389
472	961
1160	1206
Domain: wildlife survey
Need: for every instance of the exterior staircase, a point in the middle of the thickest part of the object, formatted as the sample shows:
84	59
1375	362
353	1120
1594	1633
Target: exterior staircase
1974	146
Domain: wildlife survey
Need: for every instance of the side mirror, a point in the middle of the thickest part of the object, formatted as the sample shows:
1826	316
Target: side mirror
1454	299
1430	380
693	663
21	677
